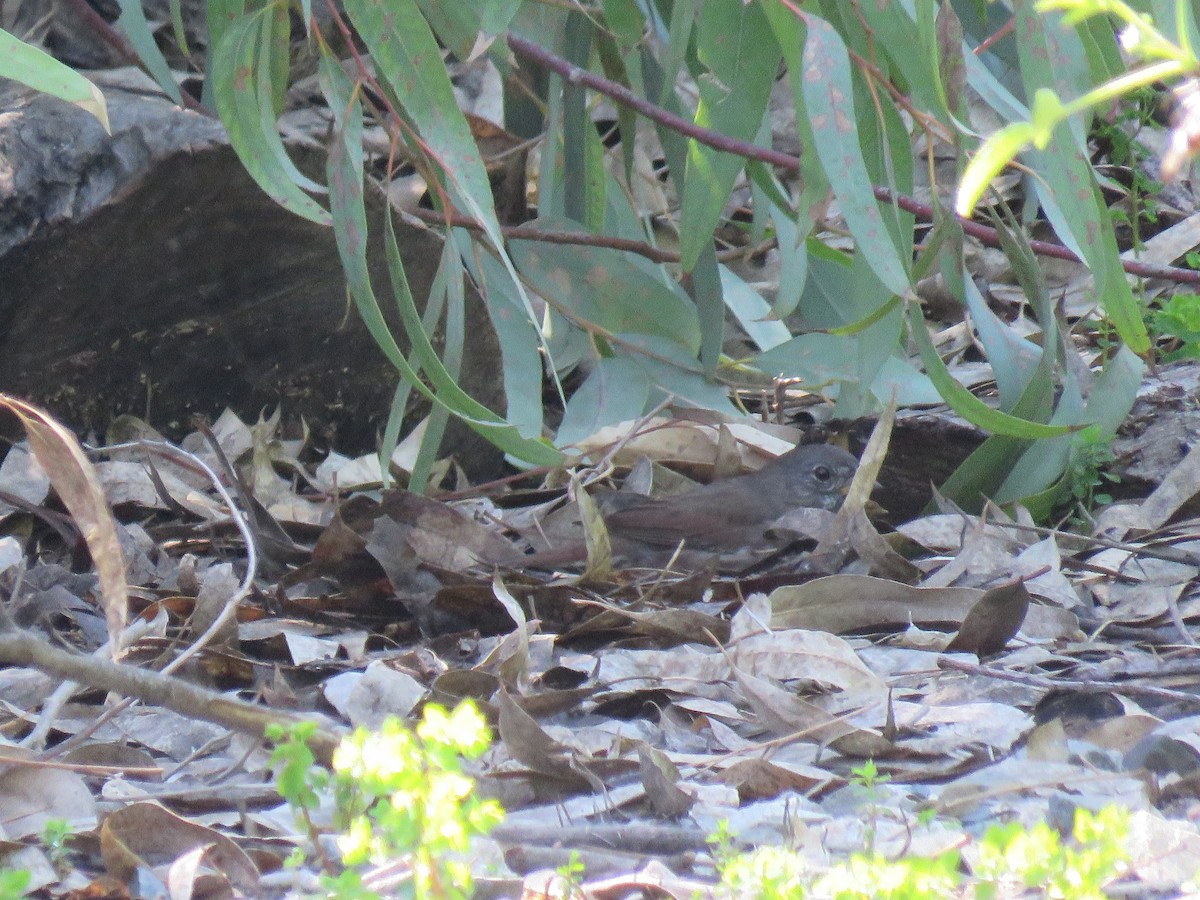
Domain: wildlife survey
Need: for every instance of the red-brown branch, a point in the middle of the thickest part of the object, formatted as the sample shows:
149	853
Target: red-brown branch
786	161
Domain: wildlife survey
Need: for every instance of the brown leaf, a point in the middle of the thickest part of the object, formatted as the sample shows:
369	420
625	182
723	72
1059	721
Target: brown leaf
595	535
785	714
661	779
527	743
841	603
76	483
31	795
993	621
444	537
851	528
761	779
146	834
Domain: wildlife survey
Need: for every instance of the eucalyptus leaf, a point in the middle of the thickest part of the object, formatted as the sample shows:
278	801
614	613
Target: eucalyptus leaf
599	288
236	61
408	60
577	126
895	30
753	312
1014	359
132	23
829	102
345	167
36	69
616	390
1044	462
739	52
900	379
1070	178
674	373
793	262
967	404
518	337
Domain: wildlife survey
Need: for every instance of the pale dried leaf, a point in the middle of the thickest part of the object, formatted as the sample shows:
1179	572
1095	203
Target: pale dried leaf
59	454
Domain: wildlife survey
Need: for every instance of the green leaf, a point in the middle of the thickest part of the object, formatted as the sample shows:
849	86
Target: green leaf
793	261
1187	27
814	194
410	67
735	44
596	179
1072	183
842	292
684	15
468	28
448	393
623	65
27	64
271	77
408	60
675	373
703	285
552	169
252	132
900	381
598	287
516	332
577	129
993	91
616	390
821	360
980	475
345	168
132	23
446	293
274	67
887	152
842	296
456	24
175	7
753	313
763	179
1045	115
220	15
829	104
1104	53
909	49
997	152
1108	403
624	20
967	404
892	304
1014	360
1044	462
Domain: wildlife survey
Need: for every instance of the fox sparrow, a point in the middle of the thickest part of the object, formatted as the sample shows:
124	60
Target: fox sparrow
723	517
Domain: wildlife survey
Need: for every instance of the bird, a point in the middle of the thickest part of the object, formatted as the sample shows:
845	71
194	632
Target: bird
724	517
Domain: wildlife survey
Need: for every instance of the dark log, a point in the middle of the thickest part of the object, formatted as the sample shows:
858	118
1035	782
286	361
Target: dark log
168	284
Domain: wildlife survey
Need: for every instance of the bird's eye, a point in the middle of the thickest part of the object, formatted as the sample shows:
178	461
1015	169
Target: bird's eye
822	473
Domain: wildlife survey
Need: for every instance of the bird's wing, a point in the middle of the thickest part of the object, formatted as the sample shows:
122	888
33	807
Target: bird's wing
713	517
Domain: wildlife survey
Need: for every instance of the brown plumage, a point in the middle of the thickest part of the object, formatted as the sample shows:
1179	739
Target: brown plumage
721	518
734	513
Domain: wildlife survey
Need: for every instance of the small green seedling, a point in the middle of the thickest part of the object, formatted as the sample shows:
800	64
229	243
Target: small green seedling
397	794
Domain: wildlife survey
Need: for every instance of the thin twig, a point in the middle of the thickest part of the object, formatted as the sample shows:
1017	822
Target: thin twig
1056	684
226	615
239	520
1167	554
